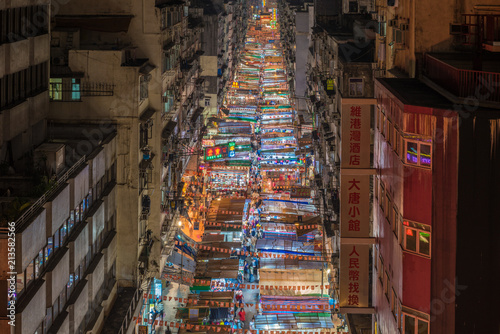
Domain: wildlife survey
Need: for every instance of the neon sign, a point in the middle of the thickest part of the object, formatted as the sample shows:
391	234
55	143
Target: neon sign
221	151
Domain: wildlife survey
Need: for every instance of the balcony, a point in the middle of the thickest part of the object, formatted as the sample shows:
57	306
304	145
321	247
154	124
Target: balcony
482	30
455	74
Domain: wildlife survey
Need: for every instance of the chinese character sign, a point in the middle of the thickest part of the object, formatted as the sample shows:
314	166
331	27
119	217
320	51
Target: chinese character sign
354	275
300	192
221	151
355	136
354	206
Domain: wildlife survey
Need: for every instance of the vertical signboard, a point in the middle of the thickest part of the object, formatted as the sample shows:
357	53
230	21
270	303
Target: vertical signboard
355	123
354	266
354	206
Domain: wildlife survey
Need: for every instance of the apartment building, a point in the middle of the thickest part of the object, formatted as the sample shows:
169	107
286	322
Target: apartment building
137	67
296	20
65	240
24	29
421	155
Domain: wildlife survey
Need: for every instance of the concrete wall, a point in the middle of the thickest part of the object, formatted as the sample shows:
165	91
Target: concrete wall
81	186
80	247
17	64
58	278
29	242
33	314
98	220
95	7
64	329
98	167
97	278
80	307
59	211
302	44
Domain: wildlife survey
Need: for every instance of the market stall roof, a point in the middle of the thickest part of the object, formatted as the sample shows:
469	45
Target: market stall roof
275	245
289	264
213	330
216	296
221	268
223	210
293	321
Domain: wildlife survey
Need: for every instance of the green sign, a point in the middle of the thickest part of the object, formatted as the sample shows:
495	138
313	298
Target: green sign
220	151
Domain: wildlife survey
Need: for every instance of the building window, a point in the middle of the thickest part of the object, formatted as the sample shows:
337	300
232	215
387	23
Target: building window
144	83
396	141
390	133
387	207
49	248
414	325
395	221
55	89
387	282
75	89
417	238
355	87
381	269
382	124
168	101
418	153
382	196
207	102
163	22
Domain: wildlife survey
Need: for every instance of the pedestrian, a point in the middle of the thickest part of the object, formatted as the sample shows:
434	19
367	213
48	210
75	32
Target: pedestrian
250	270
242	315
245	271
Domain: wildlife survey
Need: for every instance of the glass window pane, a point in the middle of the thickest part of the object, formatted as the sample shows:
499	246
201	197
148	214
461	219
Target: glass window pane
70	225
411	153
56	240
409	323
425	155
424	242
20	282
423	327
64	231
48	249
75	89
411	239
30	273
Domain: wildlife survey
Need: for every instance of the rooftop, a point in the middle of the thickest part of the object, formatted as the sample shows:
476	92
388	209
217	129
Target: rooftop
414	92
23	191
465	60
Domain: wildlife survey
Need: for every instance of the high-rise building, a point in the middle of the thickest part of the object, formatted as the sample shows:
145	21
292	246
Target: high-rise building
60	216
426	132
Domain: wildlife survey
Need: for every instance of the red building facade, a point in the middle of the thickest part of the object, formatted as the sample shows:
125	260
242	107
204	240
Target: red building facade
415	205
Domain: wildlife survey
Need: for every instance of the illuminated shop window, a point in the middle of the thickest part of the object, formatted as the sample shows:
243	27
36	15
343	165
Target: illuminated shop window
418	153
417	238
55	89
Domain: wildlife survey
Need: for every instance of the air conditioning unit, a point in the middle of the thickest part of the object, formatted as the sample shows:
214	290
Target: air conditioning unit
58	60
459	29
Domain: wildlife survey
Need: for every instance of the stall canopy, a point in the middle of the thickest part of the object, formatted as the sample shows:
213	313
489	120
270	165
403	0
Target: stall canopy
222	268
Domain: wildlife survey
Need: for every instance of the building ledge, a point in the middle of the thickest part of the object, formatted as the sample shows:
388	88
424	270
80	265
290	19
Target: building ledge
114	321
